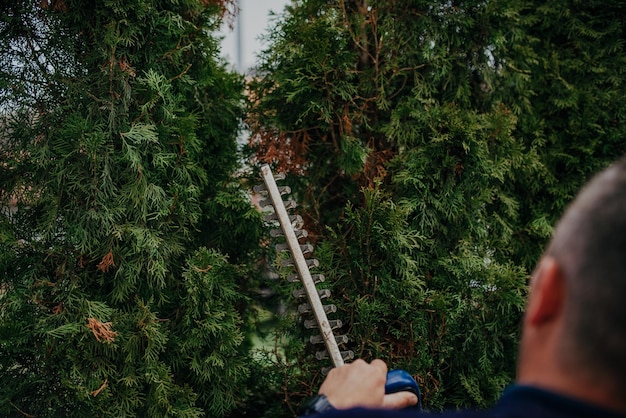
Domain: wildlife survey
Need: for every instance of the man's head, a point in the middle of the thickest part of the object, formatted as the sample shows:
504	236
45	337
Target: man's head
579	305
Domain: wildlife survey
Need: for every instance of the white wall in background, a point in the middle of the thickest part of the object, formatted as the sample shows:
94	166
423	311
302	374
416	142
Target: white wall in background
242	43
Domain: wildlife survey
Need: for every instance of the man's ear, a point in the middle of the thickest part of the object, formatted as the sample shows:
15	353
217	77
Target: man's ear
547	293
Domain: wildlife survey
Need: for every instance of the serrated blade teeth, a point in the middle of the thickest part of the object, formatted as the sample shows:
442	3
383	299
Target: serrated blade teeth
262	188
283	190
289	204
296	220
346	355
318	339
317	278
305	248
312	323
306	308
301	293
277	214
300	233
263	203
297	223
312	262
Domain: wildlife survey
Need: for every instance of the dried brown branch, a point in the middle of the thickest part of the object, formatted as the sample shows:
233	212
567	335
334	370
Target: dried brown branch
101	330
106	263
100	389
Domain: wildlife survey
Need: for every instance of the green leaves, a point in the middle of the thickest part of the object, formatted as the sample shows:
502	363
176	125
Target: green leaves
409	160
114	165
211	354
140	134
353	155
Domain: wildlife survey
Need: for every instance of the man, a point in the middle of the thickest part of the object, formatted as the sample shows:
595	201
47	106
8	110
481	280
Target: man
572	358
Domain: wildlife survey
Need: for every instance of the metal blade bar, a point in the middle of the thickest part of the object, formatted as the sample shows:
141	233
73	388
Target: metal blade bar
302	268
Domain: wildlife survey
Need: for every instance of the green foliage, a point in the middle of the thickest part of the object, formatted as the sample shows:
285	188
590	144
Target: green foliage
118	143
576	95
477	122
431	144
207	352
375	261
454	175
409	155
447	317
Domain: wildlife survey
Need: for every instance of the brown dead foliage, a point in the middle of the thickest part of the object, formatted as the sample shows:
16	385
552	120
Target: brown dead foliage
286	151
57	309
55	5
106	262
100	389
101	330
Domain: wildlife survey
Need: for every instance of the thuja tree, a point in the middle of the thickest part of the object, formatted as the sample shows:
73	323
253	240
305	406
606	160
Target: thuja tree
404	158
123	259
572	55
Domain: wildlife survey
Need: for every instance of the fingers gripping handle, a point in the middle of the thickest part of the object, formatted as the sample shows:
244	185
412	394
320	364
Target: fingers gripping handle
401	380
397	381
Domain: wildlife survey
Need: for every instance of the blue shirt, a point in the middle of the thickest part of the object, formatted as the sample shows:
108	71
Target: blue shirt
516	402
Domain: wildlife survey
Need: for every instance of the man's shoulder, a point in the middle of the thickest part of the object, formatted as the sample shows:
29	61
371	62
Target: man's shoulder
402	413
516	402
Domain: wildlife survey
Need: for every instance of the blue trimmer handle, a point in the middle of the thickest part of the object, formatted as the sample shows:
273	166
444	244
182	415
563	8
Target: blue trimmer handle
399	380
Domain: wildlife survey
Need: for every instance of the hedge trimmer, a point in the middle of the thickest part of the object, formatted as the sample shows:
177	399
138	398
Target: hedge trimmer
290	229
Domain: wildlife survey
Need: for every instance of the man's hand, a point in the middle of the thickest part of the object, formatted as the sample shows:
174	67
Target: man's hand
399	400
362	384
356	384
